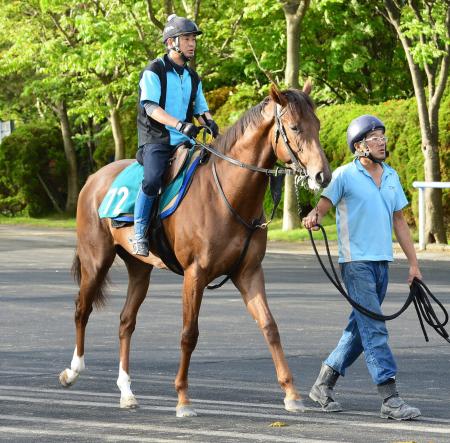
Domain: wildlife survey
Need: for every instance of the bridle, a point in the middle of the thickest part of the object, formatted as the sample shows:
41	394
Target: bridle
299	170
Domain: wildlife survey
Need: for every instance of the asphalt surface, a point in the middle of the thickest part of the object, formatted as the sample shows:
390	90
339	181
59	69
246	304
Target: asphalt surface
232	379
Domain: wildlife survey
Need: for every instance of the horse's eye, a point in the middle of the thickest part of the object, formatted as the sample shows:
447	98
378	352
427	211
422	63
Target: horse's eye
295	128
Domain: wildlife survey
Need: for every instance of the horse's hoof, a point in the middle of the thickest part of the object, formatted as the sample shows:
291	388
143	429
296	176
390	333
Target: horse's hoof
68	377
129	402
294	405
186	411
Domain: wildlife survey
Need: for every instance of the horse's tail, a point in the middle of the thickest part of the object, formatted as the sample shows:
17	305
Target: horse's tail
100	295
76	268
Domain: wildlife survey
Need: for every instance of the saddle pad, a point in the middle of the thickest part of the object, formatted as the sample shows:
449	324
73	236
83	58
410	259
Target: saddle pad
118	202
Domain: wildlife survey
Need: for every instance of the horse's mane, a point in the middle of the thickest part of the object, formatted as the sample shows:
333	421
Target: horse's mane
252	117
298	103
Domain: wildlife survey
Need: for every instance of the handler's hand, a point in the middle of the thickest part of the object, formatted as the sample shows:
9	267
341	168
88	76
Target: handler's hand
311	221
414	271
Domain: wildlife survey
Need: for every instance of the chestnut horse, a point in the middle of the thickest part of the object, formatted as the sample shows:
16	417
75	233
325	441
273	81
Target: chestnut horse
206	236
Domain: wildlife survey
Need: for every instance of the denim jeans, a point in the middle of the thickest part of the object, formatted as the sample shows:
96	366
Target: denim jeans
366	283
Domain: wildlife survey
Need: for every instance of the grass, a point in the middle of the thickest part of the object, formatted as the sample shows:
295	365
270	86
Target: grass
53	221
301	234
275	228
275	231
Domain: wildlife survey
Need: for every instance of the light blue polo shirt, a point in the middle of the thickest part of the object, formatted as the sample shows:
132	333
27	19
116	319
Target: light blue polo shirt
364	212
177	98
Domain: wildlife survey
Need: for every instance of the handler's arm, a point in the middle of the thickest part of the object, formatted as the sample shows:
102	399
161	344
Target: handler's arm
315	216
403	236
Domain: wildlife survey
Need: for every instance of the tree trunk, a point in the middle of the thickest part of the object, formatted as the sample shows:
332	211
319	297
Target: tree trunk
116	126
294	11
428	111
292	51
69	150
434	227
291	219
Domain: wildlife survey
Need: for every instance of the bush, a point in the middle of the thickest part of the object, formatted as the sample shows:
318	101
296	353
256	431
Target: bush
32	151
403	130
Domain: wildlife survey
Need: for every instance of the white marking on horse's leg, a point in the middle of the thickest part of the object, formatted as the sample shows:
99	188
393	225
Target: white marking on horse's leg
186	411
69	376
127	398
292	405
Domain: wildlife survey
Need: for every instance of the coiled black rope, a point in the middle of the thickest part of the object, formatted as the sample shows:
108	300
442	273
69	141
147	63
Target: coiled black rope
418	295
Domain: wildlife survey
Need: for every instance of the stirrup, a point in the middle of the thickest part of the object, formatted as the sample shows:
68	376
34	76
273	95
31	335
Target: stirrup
140	247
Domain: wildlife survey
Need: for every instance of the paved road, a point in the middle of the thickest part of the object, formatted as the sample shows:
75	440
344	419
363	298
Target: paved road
232	378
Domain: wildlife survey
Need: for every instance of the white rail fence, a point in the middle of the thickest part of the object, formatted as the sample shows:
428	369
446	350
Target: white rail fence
421	186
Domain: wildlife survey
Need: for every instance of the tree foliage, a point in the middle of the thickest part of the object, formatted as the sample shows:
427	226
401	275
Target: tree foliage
78	63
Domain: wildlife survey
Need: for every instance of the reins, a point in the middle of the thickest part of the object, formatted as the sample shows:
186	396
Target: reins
271	172
418	295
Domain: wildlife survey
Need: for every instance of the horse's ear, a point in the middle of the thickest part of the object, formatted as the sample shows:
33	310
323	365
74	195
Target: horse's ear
277	96
307	87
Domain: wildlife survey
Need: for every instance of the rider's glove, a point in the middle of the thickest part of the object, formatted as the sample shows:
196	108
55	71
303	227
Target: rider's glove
188	129
213	126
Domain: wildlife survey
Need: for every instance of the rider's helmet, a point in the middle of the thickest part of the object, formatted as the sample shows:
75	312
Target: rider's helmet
177	26
359	127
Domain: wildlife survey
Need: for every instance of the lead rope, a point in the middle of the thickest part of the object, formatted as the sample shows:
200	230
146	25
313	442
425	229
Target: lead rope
418	295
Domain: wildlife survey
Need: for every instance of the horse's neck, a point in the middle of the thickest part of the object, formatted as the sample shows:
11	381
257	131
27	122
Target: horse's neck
245	188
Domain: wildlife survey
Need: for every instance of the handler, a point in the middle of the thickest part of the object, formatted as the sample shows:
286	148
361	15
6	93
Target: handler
170	94
369	199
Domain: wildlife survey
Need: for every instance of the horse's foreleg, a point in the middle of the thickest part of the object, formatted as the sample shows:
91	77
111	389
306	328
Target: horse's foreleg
252	287
139	278
192	297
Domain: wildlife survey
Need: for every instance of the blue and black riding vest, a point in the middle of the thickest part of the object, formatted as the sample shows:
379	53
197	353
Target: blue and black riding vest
177	90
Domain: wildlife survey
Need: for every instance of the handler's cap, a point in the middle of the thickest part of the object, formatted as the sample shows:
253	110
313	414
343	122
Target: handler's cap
177	26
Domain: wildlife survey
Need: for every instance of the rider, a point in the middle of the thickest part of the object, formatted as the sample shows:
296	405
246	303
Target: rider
369	199
170	93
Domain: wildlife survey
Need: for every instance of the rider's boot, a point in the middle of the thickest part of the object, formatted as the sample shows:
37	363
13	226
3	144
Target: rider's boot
322	390
393	405
142	213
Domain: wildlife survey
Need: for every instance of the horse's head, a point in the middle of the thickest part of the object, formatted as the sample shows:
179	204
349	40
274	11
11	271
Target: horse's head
296	135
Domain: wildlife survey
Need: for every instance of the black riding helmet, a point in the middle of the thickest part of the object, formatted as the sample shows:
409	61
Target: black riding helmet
359	127
177	26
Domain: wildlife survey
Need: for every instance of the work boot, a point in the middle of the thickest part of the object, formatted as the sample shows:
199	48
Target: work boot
393	405
322	390
142	212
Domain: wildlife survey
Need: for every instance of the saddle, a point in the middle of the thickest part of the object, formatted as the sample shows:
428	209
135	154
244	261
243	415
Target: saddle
176	182
176	162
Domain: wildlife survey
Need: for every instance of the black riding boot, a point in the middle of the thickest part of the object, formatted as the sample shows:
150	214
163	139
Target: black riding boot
322	390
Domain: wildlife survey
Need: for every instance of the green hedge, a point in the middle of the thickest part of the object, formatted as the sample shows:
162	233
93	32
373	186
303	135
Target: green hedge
32	150
403	130
402	123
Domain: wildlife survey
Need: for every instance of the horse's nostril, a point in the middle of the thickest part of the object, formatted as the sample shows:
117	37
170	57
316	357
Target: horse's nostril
319	177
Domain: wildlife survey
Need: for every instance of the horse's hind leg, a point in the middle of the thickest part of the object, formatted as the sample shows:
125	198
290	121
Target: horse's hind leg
139	278
92	262
251	285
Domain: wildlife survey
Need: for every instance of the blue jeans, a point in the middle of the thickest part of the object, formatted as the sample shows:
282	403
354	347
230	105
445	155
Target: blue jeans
366	283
